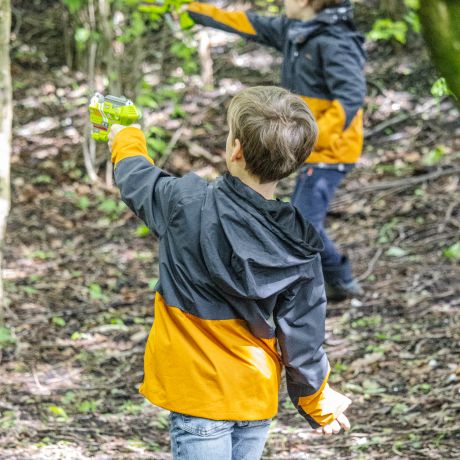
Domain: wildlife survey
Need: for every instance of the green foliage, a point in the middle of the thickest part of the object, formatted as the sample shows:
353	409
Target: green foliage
43	255
389	29
130	407
83	203
135	29
58	321
82	36
89	406
42	179
386	29
74	5
59	413
142	231
440	89
95	292
157	142
453	252
111	208
434	156
152	283
387	231
6	337
187	56
8	420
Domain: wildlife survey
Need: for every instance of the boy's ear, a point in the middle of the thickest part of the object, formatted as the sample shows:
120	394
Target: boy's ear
237	151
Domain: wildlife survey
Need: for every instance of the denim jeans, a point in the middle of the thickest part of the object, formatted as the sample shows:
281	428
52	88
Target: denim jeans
313	192
194	438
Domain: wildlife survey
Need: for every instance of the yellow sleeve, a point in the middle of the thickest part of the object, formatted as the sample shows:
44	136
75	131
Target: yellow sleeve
129	142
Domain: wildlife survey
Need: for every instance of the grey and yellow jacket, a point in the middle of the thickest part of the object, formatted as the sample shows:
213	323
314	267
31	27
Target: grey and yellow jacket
323	61
240	293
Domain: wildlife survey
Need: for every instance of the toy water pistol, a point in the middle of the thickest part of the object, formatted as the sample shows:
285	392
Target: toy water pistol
104	111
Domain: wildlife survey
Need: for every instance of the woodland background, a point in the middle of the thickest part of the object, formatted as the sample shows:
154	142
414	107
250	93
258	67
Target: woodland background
79	269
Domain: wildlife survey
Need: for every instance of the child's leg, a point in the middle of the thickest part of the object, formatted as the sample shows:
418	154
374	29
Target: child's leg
314	190
248	439
195	438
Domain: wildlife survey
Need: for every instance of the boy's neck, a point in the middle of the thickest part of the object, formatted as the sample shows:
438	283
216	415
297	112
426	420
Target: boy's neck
266	190
306	14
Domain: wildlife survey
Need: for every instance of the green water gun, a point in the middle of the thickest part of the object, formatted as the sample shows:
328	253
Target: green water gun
104	111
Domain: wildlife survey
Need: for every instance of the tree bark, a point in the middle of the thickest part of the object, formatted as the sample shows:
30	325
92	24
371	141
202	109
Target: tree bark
441	30
6	116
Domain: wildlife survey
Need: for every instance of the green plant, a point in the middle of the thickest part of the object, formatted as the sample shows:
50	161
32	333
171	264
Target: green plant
453	252
440	89
142	230
59	413
6	337
95	292
386	29
434	156
58	321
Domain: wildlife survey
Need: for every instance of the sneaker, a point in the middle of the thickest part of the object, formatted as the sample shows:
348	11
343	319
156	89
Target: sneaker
342	290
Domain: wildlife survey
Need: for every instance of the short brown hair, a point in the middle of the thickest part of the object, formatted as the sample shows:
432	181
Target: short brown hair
276	129
319	5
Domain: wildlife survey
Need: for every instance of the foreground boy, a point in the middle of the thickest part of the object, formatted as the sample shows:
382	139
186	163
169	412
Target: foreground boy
323	62
240	291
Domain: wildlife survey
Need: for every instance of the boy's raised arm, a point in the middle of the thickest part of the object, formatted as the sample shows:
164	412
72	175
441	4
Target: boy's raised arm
146	189
266	30
300	320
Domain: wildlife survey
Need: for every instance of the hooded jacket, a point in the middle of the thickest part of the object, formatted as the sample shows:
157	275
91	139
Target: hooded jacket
240	293
323	61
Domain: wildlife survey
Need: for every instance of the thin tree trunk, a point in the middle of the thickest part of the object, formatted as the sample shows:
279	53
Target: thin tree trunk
441	29
89	145
6	116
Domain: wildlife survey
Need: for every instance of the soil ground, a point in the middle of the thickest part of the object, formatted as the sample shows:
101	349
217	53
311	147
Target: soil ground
79	274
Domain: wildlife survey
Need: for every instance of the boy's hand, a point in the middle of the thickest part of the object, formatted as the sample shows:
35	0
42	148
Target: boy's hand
334	427
115	129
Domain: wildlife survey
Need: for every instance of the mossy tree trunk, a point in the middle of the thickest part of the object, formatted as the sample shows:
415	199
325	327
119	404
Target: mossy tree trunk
441	29
6	115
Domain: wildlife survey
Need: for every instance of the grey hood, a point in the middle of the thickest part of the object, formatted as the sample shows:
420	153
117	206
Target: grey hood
253	247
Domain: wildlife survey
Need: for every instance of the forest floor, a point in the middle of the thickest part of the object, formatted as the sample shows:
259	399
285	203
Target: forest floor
79	275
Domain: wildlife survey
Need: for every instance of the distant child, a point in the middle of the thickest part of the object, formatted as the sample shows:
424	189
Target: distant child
323	62
240	291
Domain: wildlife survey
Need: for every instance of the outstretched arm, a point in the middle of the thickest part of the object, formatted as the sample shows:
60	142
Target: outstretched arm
266	30
300	322
145	188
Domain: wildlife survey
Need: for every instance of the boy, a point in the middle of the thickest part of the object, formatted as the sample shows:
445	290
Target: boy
323	62
240	276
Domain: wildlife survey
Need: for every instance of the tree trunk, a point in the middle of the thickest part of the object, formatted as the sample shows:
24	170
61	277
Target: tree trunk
441	29
6	116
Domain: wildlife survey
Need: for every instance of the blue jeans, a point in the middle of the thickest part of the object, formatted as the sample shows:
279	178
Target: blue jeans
312	195
194	438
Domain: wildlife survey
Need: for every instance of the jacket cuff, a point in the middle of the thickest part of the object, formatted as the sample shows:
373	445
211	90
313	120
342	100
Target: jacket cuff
324	406
129	142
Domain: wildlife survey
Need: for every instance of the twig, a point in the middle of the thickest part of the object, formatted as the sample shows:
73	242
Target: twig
400	117
197	151
401	183
370	267
169	148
